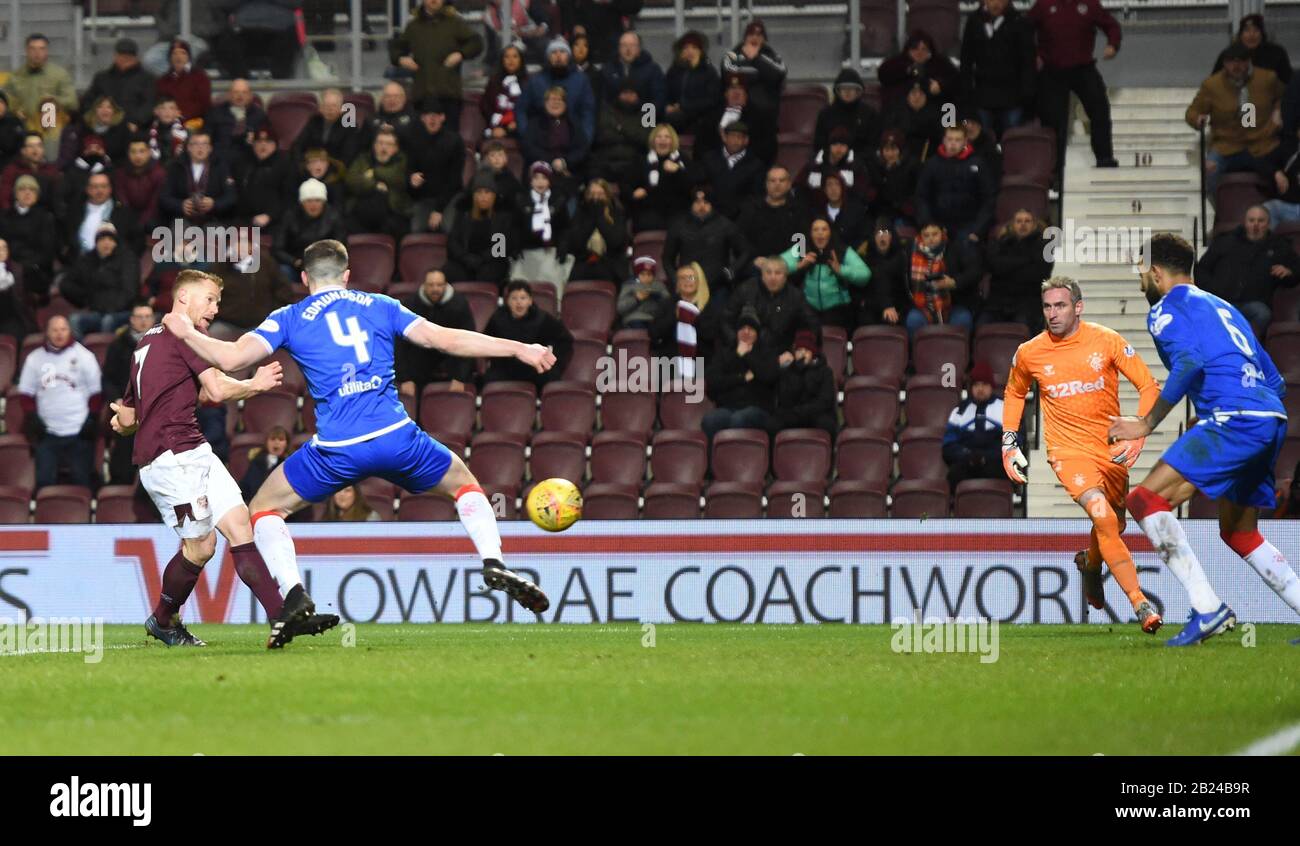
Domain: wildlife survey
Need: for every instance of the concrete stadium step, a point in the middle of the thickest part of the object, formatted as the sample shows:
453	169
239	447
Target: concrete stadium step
1151	96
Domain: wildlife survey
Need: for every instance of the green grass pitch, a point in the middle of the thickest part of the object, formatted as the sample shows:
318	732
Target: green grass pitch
701	689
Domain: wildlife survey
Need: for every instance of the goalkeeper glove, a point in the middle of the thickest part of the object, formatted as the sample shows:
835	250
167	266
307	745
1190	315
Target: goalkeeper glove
1127	452
1013	460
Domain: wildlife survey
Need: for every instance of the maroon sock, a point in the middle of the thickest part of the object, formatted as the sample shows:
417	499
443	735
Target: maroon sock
253	572
178	582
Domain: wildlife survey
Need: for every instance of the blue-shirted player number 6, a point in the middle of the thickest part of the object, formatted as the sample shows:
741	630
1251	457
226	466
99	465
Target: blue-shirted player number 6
1238	338
356	337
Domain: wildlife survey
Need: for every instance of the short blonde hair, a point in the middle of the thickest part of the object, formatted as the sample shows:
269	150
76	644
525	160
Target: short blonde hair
1065	282
189	276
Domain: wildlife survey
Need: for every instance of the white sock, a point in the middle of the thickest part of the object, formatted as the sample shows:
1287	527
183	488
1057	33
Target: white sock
1272	567
1167	536
480	522
276	545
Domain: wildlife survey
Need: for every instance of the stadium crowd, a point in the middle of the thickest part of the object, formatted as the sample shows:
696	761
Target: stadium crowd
591	196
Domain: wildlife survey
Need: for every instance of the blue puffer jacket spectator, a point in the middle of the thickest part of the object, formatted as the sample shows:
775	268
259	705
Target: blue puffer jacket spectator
577	91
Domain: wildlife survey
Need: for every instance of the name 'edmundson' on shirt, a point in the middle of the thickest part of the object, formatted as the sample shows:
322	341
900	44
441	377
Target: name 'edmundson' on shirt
359	297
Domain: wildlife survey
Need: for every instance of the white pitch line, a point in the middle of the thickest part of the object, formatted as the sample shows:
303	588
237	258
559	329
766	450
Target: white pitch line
1278	743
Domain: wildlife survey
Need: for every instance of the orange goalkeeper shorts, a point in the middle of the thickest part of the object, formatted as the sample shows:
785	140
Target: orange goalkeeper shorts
1079	472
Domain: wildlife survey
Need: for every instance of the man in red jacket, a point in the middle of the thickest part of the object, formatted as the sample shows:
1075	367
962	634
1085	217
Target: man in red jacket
1066	36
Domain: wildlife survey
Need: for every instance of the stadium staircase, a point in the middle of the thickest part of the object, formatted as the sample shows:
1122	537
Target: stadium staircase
1157	185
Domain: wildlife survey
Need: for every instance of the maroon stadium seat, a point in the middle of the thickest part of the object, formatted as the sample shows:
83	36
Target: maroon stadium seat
1283	345
308	414
401	290
835	343
941	351
426	507
16	459
988	498
740	455
293	379
679	455
881	352
1286	305
288	113
870	403
382	505
363	102
671	501
472	123
421	252
852	498
545	297
497	458
8	361
1029	152
447	411
635	343
800	106
62	504
588	347
240	446
651	243
627	411
372	259
482	298
15	504
733	500
1018	193
273	408
97	343
1235	193
997	343
118	504
929	401
568	407
589	305
862	455
30	342
509	407
802	455
558	455
608	501
14	415
920	453
920	499
618	457
677	412
781	500
793	151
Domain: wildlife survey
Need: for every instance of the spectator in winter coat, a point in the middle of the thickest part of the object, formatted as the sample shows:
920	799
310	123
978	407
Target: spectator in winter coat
189	85
688	325
435	157
262	460
521	320
341	135
138	182
782	308
1245	267
735	174
838	158
377	185
1285	208
482	240
105	121
556	139
104	283
737	107
849	110
32	233
641	296
12	132
500	99
983	143
942	280
313	219
30	161
127	82
919	61
265	184
578	96
16	317
434	46
233	123
741	379
918	118
250	290
1263	53
706	237
439	303
198	187
1018	263
635	64
759	65
894	174
597	238
394	112
693	86
846	213
1237	145
37	82
92	161
543	227
166	133
117	370
772	224
96	206
890	298
662	192
956	190
997	65
805	392
330	172
826	270
972	440
621	139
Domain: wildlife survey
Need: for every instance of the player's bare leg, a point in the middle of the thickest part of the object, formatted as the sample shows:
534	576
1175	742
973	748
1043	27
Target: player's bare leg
480	522
1238	526
179	578
1107	539
1152	504
274	501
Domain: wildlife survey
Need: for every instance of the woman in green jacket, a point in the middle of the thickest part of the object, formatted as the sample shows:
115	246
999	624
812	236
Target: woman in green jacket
823	267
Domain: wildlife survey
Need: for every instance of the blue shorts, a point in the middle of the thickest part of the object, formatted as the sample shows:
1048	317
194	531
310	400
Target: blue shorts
1231	460
407	457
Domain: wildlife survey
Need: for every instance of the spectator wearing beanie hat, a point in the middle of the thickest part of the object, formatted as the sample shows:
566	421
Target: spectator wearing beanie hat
805	394
641	296
314	218
104	283
848	109
756	62
128	82
579	98
702	235
972	440
543	217
484	238
741	379
894	174
266	183
836	157
189	85
692	86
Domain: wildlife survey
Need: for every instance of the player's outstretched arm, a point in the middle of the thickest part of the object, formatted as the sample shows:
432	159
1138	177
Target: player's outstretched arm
466	344
245	352
218	387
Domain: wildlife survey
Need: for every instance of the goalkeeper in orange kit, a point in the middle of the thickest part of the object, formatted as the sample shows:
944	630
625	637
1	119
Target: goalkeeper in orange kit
1077	366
